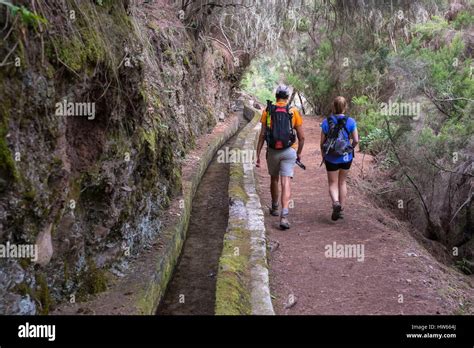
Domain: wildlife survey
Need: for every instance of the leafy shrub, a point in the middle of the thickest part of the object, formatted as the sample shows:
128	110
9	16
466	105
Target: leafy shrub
374	142
430	29
26	16
463	20
260	80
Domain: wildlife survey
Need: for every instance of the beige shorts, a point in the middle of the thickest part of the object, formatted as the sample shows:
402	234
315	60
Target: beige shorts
281	162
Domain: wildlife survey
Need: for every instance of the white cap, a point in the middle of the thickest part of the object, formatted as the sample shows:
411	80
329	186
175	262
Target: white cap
283	89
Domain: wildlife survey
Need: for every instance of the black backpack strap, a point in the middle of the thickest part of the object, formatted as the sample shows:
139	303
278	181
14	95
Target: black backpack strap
269	105
290	115
348	134
331	126
269	111
344	125
330	122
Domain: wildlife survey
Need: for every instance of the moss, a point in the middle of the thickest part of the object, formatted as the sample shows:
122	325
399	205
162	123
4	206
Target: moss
233	298
236	178
23	289
233	263
176	180
153	26
237	192
56	163
94	280
170	55
232	294
145	302
8	169
77	51
149	138
7	164
85	48
30	195
94	46
148	300
186	61
42	294
75	188
70	53
156	101
24	262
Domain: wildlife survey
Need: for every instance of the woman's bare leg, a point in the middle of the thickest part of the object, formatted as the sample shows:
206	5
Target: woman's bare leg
333	178
342	185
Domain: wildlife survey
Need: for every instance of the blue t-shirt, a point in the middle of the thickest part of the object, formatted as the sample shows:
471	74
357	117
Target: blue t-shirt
351	126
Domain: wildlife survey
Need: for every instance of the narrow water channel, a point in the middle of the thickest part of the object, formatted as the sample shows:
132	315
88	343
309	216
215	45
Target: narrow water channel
192	288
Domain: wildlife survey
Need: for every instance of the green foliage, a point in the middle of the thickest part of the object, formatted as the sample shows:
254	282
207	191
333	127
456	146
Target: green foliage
448	73
303	25
370	120
464	266
295	81
76	53
42	294
313	76
464	19
374	142
431	28
261	78
7	164
449	78
94	280
27	17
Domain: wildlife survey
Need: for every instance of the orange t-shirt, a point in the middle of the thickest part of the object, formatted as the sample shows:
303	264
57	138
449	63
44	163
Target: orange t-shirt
297	120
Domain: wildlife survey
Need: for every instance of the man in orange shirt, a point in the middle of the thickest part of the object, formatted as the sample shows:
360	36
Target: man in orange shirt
279	125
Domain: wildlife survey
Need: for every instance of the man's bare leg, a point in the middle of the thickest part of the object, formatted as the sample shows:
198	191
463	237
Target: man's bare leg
275	194
285	201
285	191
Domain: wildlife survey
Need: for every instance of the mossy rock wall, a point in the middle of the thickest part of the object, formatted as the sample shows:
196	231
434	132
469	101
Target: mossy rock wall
100	185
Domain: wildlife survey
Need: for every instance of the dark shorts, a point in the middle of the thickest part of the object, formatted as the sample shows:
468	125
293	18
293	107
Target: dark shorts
332	167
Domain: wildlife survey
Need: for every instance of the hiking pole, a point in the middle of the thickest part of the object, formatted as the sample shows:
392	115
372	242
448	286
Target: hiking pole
301	165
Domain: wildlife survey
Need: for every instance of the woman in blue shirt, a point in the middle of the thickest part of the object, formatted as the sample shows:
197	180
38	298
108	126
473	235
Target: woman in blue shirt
337	166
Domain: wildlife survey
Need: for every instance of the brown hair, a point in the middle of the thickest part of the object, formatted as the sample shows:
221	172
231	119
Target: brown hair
339	105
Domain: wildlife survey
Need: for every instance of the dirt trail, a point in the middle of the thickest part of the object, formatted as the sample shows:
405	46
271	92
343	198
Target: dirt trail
397	276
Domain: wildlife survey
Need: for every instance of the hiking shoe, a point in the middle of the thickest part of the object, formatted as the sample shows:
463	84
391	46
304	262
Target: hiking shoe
336	211
284	224
274	210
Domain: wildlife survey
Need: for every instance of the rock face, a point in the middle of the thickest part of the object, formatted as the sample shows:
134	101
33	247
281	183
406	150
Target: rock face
44	246
91	140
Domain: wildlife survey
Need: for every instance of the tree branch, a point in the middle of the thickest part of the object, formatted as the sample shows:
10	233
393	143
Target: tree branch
415	186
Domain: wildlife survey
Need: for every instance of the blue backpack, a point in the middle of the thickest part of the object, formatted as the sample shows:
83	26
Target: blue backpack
336	144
